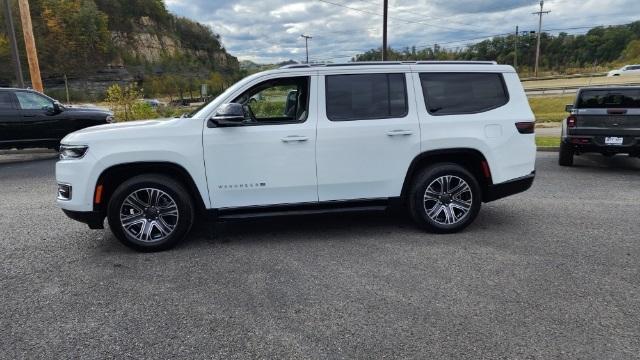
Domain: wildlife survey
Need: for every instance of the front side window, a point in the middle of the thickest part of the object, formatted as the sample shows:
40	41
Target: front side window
33	101
366	96
277	101
463	93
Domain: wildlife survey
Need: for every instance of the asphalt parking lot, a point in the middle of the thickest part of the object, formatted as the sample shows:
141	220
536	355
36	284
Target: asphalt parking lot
551	273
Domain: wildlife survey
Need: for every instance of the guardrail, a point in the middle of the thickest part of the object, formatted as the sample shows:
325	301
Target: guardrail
569	89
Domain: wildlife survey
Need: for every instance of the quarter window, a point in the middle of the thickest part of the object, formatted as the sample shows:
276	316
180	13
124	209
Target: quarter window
463	93
366	96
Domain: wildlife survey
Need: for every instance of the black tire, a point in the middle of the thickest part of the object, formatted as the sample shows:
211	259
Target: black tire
418	205
565	157
180	224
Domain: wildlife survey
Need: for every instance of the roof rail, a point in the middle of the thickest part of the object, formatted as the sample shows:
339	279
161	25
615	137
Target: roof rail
364	63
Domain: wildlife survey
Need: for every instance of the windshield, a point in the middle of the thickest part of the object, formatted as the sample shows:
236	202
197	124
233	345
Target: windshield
614	98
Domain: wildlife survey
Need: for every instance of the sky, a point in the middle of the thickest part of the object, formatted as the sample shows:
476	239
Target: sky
268	31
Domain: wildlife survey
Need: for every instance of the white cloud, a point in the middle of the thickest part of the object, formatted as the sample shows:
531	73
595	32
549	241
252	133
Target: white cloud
269	30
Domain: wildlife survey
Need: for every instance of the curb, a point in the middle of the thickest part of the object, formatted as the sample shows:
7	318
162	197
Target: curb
548	148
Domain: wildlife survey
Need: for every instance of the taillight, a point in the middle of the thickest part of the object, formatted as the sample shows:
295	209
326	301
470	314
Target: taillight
572	121
526	127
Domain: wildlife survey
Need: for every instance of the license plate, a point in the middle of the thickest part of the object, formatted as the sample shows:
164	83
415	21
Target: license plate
613	140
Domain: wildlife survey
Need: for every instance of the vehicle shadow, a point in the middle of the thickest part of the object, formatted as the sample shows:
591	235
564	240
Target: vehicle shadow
599	162
25	156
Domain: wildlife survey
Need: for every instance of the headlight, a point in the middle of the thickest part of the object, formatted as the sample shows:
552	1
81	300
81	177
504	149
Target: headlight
69	152
110	119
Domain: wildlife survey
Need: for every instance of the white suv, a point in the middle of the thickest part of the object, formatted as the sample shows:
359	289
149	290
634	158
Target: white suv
438	137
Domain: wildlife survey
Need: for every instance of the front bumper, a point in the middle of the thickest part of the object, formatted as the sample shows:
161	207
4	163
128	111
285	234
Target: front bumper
94	219
512	187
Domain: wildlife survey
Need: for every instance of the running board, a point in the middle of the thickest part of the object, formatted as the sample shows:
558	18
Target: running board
298	210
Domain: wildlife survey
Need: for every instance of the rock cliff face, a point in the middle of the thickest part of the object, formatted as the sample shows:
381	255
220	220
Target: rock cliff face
147	44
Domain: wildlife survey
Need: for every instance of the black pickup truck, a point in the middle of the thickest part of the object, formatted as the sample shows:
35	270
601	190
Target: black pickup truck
602	120
30	119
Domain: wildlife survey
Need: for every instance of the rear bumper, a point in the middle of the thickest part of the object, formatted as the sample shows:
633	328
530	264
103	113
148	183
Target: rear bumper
94	219
515	186
596	144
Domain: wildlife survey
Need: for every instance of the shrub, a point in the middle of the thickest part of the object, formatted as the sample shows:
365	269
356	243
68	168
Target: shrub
126	105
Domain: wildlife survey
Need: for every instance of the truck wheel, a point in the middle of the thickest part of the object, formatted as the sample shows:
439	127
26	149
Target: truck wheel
445	198
150	212
566	155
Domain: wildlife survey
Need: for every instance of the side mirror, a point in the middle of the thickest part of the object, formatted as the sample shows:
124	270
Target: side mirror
568	108
54	109
228	115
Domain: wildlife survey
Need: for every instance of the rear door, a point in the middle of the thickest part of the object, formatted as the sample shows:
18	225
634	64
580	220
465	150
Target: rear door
608	112
368	134
9	117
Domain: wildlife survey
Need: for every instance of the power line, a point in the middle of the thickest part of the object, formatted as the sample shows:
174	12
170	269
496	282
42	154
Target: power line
390	17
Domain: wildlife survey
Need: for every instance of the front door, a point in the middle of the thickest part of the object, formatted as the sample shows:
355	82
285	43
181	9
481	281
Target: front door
368	134
270	158
39	121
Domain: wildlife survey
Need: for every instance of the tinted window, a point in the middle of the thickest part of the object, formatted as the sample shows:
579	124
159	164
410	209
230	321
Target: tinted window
277	101
614	98
367	96
32	101
463	93
5	101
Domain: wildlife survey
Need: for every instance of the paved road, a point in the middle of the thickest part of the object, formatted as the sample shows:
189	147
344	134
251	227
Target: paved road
552	273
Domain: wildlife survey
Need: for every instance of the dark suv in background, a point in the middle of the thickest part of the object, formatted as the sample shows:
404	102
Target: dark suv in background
30	119
602	120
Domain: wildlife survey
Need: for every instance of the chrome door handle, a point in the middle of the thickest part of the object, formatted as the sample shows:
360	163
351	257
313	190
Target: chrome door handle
294	138
399	132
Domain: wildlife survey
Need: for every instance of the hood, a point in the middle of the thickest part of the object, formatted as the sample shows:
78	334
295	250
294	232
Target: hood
87	108
132	129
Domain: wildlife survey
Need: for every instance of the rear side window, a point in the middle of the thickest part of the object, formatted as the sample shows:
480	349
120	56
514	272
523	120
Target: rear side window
463	93
5	101
614	98
366	97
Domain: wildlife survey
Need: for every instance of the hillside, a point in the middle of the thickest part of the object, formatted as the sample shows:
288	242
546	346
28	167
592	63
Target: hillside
562	53
98	42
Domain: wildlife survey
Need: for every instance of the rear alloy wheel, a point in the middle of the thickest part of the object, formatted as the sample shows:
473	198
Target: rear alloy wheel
150	212
445	198
565	155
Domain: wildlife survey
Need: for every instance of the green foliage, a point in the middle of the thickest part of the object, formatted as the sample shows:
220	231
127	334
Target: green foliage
74	34
601	45
631	53
124	101
548	141
550	108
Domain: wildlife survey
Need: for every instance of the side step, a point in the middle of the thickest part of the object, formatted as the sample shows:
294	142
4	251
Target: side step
231	214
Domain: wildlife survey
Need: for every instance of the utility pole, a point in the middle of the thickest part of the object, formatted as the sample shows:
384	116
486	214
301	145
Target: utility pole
539	13
13	43
30	45
306	44
385	17
515	51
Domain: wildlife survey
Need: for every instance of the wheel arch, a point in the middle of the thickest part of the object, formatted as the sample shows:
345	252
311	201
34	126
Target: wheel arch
113	176
471	159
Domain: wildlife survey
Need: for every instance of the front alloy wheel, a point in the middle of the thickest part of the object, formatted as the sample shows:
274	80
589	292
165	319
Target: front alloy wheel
445	198
150	212
149	215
